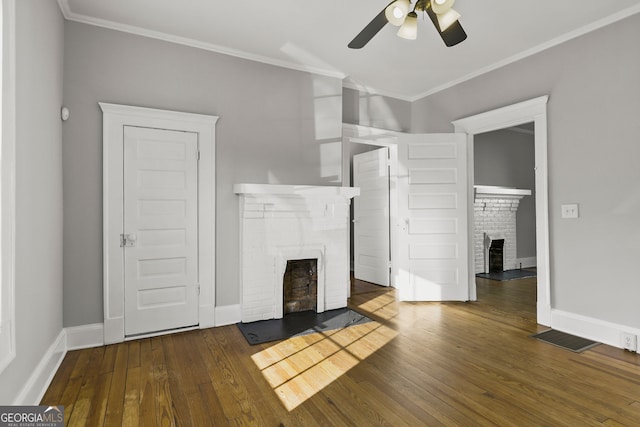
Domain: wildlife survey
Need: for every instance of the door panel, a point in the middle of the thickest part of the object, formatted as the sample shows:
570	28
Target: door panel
432	190
161	225
371	216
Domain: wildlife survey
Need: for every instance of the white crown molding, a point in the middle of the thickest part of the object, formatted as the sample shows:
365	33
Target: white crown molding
530	52
71	16
64	8
536	49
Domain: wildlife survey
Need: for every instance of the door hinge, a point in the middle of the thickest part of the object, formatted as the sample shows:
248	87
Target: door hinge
198	155
198	289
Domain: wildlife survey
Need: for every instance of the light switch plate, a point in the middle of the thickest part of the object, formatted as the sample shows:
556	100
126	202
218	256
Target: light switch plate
570	211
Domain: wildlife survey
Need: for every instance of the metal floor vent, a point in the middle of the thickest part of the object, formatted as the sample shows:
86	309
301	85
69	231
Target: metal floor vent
564	340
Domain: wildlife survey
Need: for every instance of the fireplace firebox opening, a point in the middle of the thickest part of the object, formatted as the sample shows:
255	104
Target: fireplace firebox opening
496	256
300	286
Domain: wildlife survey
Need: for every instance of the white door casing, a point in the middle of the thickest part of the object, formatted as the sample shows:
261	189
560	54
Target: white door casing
432	261
533	110
115	118
371	216
160	231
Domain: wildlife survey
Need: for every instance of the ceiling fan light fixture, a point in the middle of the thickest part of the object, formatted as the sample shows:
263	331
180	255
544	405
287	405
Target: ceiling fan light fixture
440	7
409	28
397	11
445	20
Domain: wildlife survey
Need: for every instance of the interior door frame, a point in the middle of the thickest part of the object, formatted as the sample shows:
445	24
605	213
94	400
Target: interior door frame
115	117
533	110
380	138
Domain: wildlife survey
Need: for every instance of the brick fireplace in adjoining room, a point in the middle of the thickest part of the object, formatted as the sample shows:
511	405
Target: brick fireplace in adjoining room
293	225
495	219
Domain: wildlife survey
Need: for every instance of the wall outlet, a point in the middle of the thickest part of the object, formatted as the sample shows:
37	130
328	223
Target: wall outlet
629	342
570	211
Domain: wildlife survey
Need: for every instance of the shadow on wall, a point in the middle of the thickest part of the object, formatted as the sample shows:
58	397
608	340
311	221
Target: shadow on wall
316	156
378	111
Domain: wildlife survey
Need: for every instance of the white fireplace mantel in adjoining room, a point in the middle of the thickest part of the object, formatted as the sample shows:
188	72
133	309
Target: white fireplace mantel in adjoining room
289	222
493	190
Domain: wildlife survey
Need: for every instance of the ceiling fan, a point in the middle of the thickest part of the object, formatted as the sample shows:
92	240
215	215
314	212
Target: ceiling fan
397	13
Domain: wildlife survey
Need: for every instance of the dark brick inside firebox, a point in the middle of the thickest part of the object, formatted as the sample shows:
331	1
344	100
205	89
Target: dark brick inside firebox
496	256
300	285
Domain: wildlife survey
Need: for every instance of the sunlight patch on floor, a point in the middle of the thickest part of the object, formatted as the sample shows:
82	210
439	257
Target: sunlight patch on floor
384	306
300	367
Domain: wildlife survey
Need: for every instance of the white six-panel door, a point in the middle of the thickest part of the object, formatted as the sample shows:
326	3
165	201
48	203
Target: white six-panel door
432	259
160	229
371	216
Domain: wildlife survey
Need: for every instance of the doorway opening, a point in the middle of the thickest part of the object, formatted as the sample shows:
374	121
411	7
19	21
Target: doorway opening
532	111
372	217
504	160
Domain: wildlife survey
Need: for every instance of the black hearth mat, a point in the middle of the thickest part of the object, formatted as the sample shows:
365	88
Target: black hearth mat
564	340
508	275
300	323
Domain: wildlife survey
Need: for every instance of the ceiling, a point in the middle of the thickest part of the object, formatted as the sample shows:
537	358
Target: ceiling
313	35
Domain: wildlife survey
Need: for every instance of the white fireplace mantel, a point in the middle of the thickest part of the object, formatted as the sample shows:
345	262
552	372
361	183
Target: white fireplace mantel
289	222
493	190
296	190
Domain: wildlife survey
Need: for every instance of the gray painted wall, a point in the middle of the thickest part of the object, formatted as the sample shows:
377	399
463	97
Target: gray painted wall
593	157
377	111
38	235
507	158
276	126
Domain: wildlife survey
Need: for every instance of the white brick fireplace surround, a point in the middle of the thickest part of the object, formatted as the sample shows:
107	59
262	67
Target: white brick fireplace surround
495	218
289	222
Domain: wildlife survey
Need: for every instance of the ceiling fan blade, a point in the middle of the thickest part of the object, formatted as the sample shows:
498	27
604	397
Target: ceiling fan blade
369	31
452	35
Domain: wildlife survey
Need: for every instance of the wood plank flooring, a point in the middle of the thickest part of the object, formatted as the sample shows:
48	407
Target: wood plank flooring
454	364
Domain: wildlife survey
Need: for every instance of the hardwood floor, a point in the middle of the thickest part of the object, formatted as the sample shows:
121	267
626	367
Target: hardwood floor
462	364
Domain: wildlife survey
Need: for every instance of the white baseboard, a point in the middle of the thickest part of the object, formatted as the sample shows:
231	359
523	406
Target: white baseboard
590	328
85	336
73	338
228	315
39	381
527	262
